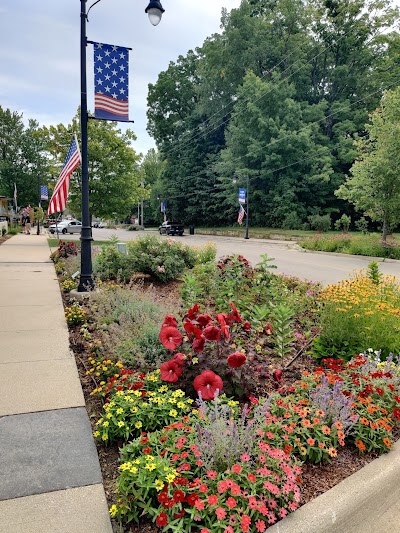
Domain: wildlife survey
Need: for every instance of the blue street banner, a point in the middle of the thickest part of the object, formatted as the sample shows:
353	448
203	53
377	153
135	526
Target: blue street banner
242	196
163	207
44	192
111	82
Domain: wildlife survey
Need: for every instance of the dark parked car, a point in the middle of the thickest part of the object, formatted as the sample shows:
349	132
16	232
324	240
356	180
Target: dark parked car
171	228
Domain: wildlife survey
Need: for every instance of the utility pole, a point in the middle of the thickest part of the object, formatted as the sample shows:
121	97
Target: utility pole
247	209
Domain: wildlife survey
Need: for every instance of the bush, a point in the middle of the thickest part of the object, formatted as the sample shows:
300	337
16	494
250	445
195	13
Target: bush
343	223
369	245
75	314
320	222
362	225
163	259
110	264
292	221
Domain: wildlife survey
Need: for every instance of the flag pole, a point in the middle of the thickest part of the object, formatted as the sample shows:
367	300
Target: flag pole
247	209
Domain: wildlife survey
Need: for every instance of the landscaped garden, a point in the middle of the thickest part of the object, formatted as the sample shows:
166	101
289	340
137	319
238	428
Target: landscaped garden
219	389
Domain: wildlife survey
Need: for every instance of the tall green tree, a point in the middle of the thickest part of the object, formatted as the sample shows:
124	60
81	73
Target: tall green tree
23	159
114	173
374	182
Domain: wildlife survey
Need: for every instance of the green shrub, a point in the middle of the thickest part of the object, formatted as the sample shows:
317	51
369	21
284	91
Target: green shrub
368	245
110	264
320	222
343	223
163	259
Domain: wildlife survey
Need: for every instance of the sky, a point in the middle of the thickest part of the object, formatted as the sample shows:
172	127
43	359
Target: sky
40	52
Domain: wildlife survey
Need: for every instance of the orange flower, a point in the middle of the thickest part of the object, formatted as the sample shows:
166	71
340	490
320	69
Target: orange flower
310	441
387	442
326	430
360	445
364	421
332	452
306	423
373	425
338	425
321	445
316	421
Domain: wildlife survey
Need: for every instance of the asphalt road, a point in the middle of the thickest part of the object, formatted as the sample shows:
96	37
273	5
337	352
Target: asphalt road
316	266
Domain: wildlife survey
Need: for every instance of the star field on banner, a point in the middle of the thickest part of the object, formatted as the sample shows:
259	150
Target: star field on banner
44	192
59	198
111	82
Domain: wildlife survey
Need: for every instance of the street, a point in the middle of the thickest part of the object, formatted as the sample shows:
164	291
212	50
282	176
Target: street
316	266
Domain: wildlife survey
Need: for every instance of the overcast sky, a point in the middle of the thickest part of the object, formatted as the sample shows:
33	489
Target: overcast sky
39	51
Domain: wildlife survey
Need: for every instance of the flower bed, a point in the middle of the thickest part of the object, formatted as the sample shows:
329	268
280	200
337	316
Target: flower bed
221	433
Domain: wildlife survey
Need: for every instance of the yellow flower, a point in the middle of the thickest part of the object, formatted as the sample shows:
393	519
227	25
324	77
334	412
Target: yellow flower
133	470
173	412
96	433
181	405
104	436
108	415
189	400
113	510
170	478
138	424
106	423
121	424
151	466
159	485
119	411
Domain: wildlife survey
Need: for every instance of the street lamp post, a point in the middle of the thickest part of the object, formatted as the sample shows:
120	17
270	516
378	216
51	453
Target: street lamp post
86	282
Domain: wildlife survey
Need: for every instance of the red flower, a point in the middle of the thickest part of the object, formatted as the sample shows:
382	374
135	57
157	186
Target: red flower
180	514
170	371
162	519
162	497
170	337
191	499
268	328
179	359
396	413
192	313
224	327
379	391
179	496
247	326
235	316
203	320
236	360
277	375
207	383
198	344
191	329
170	320
212	333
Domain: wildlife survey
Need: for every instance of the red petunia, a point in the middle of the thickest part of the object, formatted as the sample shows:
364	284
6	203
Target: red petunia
277	375
236	360
191	329
207	384
198	344
179	359
170	371
235	316
192	313
204	320
170	320
212	333
247	326
170	337
162	519
224	326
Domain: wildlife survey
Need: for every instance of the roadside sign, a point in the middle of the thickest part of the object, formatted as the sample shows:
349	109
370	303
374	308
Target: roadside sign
242	196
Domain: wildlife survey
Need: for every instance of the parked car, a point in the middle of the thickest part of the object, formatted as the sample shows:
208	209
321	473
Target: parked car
171	228
66	226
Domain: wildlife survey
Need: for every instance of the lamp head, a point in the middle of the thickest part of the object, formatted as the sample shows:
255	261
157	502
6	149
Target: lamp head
154	11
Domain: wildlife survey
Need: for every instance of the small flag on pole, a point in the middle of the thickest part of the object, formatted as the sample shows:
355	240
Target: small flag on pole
241	214
44	192
111	82
59	198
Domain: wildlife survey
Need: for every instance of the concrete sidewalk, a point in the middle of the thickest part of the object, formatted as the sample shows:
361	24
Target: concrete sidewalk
50	478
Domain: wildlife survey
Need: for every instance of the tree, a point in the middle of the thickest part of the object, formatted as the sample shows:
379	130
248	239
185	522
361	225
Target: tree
114	173
22	157
374	184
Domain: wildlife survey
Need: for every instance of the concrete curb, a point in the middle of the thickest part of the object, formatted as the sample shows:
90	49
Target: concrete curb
365	502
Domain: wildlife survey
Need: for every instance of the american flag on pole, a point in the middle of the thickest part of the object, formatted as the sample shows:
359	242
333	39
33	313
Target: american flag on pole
58	200
111	82
241	214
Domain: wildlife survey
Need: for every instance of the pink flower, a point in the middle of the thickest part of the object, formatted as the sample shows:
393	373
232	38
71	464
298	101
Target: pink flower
199	504
245	457
236	360
207	384
231	502
222	486
170	337
252	478
212	499
205	530
170	371
260	525
282	512
212	474
220	512
236	468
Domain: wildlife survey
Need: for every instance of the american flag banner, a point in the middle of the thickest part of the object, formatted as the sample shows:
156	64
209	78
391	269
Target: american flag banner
241	214
59	198
44	192
111	82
